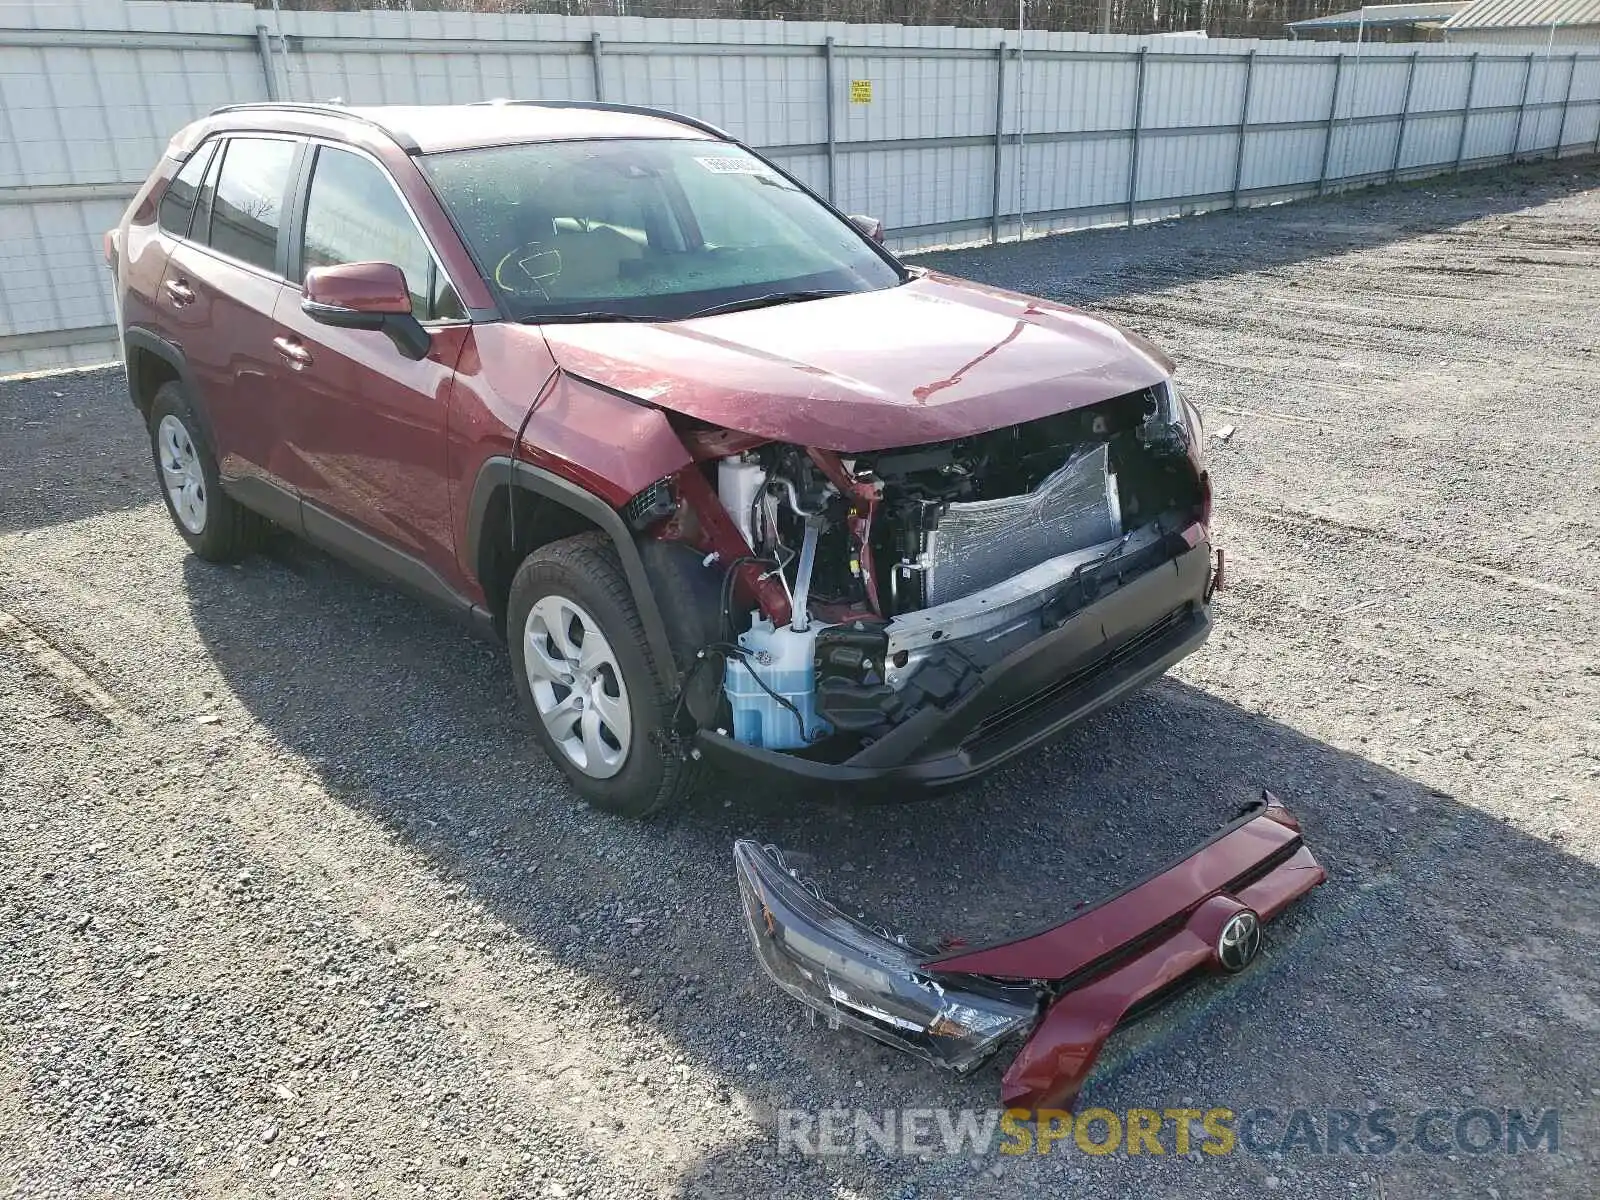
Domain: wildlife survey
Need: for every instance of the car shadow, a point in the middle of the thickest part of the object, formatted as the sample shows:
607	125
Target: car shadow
1096	268
1441	925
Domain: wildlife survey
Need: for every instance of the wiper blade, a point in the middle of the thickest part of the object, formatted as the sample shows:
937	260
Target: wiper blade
587	318
763	302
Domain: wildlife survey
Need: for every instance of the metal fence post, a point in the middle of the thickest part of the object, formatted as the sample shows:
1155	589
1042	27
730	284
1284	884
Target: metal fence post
1022	150
1466	111
1522	108
1405	111
999	139
833	132
264	47
1597	138
1566	103
1244	125
1333	115
597	62
1138	123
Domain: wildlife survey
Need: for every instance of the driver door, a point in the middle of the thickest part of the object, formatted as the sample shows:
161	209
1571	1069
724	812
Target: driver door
367	428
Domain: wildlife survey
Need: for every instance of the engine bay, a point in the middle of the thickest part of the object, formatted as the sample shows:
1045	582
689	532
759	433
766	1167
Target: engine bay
857	589
773	490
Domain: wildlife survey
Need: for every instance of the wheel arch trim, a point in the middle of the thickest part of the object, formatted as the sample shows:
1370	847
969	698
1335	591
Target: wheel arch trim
500	471
148	342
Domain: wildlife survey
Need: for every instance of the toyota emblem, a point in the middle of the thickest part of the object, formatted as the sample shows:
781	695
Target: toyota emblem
1239	941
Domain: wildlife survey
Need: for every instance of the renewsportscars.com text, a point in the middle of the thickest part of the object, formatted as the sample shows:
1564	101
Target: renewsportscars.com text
1377	1131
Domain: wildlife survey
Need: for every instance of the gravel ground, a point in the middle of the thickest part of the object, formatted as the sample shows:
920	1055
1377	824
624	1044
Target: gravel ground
293	904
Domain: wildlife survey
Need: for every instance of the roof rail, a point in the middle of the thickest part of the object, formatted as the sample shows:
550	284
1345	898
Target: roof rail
634	110
405	143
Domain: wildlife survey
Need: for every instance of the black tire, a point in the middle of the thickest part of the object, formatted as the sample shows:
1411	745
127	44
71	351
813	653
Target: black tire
585	569
229	530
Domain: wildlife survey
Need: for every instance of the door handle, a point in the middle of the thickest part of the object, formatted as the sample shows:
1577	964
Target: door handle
297	356
179	292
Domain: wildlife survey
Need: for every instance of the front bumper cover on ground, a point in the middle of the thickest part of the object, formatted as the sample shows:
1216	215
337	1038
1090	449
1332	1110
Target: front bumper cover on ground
1071	985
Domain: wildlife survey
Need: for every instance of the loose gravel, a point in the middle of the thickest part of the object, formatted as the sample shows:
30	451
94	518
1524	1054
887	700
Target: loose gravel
292	903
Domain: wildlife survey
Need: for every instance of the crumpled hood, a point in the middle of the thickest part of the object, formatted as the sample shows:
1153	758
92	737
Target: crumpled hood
933	359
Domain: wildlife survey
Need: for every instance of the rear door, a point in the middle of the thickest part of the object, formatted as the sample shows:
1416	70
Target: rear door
219	291
366	426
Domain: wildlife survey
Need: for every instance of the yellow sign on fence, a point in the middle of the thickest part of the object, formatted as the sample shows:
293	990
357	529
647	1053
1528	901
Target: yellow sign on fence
861	91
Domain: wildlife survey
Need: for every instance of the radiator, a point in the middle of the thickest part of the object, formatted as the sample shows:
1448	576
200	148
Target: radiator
983	542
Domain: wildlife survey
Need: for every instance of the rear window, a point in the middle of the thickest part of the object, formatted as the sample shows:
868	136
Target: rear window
177	203
248	208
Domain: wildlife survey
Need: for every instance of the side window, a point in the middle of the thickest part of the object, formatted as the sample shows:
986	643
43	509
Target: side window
447	305
248	208
353	214
177	203
200	227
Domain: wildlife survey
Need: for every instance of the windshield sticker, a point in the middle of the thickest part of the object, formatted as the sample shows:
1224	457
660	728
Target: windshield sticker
729	165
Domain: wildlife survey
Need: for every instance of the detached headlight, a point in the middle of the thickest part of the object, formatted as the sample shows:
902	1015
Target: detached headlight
857	977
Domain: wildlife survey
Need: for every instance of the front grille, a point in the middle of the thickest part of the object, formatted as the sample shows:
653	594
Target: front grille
1001	721
1160	998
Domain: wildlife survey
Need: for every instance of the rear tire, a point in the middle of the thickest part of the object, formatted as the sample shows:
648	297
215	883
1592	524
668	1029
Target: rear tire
583	670
217	527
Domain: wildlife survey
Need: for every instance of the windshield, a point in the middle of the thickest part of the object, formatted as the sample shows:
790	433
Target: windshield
648	229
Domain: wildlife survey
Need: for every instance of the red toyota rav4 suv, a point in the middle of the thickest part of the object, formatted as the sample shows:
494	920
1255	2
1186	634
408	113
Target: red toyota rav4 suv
734	484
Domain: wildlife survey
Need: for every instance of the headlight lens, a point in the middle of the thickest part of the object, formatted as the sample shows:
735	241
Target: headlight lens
862	979
1181	412
1196	425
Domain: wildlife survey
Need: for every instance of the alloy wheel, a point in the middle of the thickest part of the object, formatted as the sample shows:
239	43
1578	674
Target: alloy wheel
577	685
181	474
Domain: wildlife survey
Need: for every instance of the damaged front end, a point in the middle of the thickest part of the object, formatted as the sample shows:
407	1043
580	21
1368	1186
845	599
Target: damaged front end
920	613
1067	987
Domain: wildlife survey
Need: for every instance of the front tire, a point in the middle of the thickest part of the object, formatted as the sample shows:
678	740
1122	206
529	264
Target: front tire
217	527
583	670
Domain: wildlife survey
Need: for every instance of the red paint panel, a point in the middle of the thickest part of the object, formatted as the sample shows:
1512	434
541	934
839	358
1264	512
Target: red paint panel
1066	949
1272	894
1051	1068
1053	1064
935	358
373	287
612	446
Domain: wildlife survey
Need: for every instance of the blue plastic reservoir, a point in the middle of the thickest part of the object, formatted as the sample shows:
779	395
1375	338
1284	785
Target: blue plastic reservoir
782	659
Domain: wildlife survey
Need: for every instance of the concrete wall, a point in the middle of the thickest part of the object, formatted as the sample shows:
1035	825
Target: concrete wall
1111	129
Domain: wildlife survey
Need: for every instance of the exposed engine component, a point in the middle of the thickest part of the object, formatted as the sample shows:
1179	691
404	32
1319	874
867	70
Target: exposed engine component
851	667
955	517
933	525
802	574
980	542
773	494
1001	502
740	480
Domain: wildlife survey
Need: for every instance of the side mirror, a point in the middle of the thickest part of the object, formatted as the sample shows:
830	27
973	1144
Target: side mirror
870	226
366	295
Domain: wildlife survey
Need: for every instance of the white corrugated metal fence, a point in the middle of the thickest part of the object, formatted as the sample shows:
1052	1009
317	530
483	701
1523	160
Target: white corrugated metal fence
916	125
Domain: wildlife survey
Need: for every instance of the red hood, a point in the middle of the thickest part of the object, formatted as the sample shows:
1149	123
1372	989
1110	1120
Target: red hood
936	358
